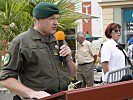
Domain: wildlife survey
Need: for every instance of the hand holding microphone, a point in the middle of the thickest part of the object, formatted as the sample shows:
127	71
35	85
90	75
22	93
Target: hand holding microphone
64	50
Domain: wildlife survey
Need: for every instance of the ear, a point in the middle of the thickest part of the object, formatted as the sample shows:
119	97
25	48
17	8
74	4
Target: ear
35	19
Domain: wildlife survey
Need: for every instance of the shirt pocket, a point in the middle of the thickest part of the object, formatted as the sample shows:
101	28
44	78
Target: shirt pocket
39	54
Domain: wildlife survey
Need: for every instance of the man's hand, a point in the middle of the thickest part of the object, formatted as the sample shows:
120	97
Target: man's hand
38	94
64	51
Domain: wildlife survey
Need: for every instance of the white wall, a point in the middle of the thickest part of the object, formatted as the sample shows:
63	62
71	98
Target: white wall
79	9
96	23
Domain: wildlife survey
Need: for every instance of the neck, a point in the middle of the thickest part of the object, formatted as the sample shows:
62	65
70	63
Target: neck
116	41
81	42
39	31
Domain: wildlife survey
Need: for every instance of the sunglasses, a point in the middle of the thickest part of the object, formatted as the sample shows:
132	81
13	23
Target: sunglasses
116	31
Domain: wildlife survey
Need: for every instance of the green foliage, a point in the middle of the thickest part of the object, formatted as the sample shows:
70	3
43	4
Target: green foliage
13	19
16	16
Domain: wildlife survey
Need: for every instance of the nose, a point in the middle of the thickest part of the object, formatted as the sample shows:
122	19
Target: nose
56	21
119	32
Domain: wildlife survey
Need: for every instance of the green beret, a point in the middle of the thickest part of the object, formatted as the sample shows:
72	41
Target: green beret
44	10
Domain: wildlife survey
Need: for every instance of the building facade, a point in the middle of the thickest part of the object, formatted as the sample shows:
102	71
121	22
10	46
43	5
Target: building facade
92	25
118	11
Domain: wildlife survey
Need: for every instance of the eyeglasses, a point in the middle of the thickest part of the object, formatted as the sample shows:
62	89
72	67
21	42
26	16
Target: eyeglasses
116	31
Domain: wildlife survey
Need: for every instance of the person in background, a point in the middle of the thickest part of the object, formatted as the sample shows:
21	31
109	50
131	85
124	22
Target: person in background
32	68
98	67
112	58
130	48
86	58
99	54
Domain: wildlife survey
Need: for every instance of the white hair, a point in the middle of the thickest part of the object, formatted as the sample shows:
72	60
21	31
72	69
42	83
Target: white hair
81	34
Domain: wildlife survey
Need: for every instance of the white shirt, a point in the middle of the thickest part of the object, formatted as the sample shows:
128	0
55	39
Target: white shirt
114	56
130	51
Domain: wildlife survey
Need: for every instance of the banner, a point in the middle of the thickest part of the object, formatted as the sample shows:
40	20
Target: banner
87	24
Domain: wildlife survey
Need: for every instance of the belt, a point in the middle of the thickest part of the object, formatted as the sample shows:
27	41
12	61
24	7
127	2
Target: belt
83	64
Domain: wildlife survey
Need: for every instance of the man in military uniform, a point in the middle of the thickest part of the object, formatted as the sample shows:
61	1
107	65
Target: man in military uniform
33	57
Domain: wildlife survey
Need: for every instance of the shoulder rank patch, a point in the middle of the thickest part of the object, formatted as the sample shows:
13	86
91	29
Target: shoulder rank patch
6	59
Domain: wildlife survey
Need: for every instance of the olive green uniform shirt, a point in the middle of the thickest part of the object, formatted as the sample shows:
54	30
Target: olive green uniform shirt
35	60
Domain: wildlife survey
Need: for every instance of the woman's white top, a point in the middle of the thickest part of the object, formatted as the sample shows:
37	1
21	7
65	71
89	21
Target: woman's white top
111	54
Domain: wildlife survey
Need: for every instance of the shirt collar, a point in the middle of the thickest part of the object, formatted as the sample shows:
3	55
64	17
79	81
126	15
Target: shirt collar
84	42
37	36
114	42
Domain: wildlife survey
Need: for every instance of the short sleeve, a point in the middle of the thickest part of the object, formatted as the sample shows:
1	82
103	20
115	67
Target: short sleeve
105	52
14	64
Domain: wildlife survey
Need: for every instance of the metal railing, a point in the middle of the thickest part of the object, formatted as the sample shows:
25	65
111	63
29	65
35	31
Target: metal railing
116	75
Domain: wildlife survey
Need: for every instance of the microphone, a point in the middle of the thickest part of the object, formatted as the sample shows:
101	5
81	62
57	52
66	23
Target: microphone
60	36
78	84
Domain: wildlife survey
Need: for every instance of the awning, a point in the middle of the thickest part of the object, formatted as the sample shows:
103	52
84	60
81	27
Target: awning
86	16
90	38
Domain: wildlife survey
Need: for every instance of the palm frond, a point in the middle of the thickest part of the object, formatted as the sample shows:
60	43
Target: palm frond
19	12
